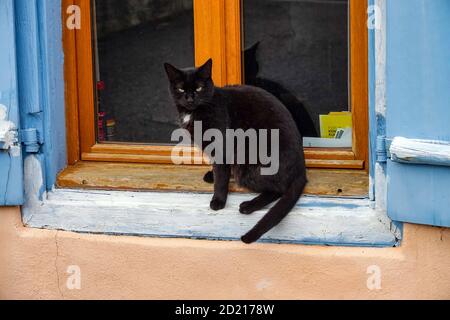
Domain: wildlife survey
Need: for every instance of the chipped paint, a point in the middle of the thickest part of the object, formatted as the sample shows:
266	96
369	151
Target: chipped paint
380	104
34	183
416	151
8	133
3	112
316	220
380	61
15	151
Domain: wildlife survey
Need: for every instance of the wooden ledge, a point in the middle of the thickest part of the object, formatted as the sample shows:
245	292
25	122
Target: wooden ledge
146	177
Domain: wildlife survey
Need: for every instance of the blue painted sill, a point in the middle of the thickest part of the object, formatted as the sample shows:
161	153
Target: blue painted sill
315	220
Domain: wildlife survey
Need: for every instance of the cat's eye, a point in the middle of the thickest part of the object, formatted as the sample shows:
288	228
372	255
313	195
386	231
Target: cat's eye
180	90
199	89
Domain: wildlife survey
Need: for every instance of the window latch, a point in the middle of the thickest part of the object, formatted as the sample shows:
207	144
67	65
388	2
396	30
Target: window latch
383	145
31	139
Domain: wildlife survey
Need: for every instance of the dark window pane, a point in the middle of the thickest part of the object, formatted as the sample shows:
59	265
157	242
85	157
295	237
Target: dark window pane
134	38
298	50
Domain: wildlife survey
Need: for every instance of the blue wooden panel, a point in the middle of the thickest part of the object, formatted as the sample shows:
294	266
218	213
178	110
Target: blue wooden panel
418	105
29	66
414	195
418	69
41	80
28	54
52	90
11	169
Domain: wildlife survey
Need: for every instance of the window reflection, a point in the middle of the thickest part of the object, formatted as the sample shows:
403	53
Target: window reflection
298	51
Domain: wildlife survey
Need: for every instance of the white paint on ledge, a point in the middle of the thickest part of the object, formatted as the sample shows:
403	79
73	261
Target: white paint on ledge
330	221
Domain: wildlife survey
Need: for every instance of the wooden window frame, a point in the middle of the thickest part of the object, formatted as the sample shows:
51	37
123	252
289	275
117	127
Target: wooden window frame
217	28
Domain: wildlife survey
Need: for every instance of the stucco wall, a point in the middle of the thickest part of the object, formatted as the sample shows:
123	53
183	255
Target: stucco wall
34	264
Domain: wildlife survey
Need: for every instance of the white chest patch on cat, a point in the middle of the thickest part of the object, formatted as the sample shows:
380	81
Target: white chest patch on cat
186	118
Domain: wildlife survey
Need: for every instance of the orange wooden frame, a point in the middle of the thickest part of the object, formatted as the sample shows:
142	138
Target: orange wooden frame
217	25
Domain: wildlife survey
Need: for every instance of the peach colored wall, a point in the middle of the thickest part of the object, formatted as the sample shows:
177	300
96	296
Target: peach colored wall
34	263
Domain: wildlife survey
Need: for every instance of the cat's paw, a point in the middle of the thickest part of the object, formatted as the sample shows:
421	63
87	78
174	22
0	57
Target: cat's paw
217	204
247	207
249	238
209	177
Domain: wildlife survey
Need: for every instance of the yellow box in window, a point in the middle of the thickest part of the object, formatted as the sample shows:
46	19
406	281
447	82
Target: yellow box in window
329	123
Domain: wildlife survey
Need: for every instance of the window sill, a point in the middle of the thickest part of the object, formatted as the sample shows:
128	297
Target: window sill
173	201
315	220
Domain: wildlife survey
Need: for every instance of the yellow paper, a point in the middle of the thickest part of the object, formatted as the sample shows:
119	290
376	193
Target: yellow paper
334	120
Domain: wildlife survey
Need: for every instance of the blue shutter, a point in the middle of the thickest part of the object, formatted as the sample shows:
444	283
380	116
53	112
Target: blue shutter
418	107
11	165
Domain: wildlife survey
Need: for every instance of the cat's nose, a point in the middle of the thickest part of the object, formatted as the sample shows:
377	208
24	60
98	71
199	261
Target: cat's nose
190	99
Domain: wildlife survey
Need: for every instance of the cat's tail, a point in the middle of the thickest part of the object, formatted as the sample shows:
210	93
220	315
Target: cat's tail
278	212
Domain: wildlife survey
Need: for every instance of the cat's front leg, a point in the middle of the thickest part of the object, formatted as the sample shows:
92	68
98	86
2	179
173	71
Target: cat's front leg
222	175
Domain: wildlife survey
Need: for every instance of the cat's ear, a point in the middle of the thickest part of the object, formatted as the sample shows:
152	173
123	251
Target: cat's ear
173	73
205	71
253	49
251	62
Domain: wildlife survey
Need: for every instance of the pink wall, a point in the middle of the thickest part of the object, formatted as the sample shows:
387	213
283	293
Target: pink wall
33	265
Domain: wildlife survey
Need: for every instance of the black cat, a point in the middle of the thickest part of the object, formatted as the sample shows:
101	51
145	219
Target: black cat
303	120
243	107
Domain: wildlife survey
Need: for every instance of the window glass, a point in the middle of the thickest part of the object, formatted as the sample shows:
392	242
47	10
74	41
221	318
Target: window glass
298	51
133	38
